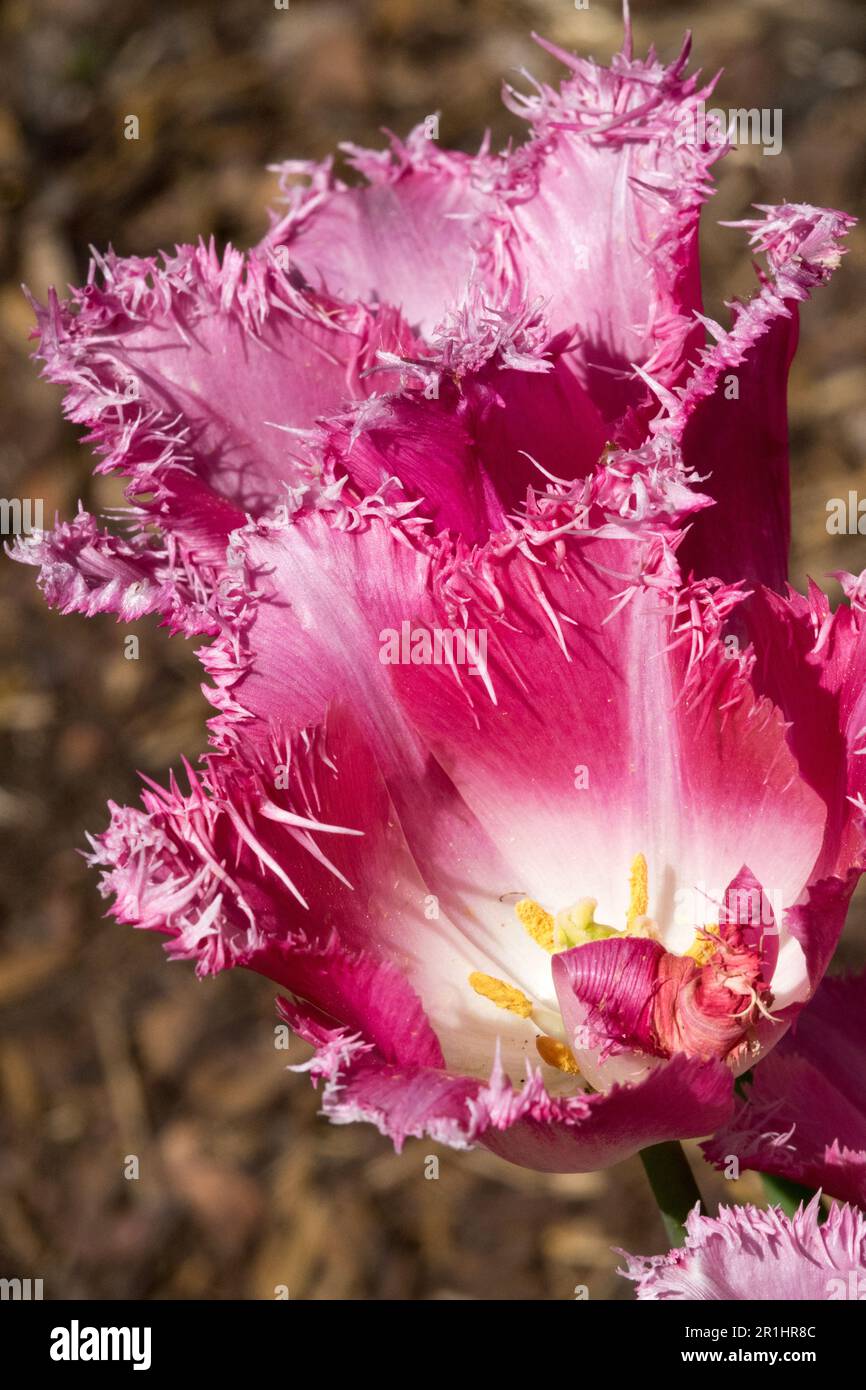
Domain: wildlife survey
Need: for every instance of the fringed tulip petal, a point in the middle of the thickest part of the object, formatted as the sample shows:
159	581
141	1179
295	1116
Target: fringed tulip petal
613	144
802	1114
406	237
745	1254
529	1127
213	366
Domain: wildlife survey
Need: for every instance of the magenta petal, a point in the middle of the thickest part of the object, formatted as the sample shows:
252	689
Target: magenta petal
468	456
732	419
579	1134
530	422
429	447
367	995
831	1034
402	1101
739	446
803	1113
572	1134
817	923
745	1254
812	663
605	991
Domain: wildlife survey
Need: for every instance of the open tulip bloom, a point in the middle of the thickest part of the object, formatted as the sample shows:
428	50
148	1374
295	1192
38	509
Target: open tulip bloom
531	785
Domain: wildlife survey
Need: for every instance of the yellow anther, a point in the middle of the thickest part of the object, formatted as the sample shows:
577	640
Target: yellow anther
705	945
556	1054
502	995
639	891
536	921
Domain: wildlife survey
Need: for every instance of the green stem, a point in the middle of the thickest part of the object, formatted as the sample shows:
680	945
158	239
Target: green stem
781	1192
673	1185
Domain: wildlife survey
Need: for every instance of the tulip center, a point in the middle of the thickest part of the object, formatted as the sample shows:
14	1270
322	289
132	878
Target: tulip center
572	926
576	926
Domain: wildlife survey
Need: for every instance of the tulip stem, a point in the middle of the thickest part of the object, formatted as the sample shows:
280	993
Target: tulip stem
673	1185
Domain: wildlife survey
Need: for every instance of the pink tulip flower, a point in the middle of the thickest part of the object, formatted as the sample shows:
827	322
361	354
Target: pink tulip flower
540	851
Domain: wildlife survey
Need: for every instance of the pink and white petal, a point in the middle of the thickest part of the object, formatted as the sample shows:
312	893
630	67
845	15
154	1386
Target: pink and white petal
326	600
316	634
380	900
204	869
296	867
602	218
745	1253
326	590
497	765
406	237
577	767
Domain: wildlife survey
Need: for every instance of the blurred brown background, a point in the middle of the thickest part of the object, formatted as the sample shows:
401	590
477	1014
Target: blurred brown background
107	1050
